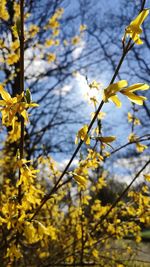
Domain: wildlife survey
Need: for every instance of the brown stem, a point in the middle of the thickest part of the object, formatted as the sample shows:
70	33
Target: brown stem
21	146
143	4
140	139
21	39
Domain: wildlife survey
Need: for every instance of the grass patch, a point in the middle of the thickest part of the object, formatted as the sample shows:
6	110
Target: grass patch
145	235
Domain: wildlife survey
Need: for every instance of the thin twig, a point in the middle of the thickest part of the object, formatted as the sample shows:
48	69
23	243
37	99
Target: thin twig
121	196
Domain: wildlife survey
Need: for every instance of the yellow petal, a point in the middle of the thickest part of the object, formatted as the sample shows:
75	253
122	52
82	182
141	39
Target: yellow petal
134	29
94	84
2	103
33	105
138	40
138	86
112	89
5	95
120	84
132	137
147	177
140	148
116	101
135	98
83	135
25	115
140	18
107	139
80	179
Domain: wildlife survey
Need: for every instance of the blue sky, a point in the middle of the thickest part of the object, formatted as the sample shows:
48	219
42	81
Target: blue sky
115	122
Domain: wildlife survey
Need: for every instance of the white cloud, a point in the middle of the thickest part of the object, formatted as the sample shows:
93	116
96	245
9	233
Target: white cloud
78	50
34	64
63	163
63	90
130	167
81	83
85	92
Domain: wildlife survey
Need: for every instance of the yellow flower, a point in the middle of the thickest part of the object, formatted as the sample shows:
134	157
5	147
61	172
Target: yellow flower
15	45
135	98
33	30
56	32
11	106
27	176
12	59
59	13
106	139
95	253
3	11
13	252
49	42
94	84
147	177
15	133
30	233
75	40
134	29
57	42
42	230
53	23
112	89
51	57
133	119
94	101
83	27
132	137
82	181
83	135
140	147
16	8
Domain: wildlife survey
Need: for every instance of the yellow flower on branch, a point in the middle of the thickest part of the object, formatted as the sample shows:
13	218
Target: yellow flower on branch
12	59
82	181
11	106
147	177
53	23
106	139
129	92
75	40
51	57
112	89
140	147
83	27
133	119
33	30
94	84
83	135
132	137
134	29
49	42
3	10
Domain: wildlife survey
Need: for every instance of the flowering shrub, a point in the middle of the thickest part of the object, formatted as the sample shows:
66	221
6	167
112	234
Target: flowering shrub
50	217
